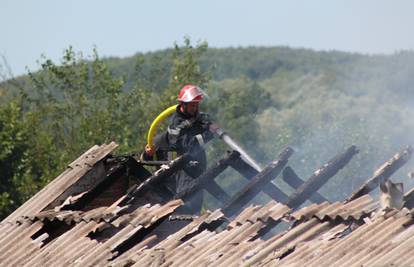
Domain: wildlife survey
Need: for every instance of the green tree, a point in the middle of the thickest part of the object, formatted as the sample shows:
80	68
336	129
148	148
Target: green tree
13	152
235	104
185	70
78	102
26	160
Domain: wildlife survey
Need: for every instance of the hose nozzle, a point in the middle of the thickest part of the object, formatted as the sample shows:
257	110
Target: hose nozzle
220	132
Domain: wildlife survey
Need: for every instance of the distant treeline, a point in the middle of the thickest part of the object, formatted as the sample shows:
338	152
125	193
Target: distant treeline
265	98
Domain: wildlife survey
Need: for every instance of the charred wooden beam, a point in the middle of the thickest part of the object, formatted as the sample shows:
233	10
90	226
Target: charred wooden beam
409	199
243	168
206	180
383	173
257	184
160	175
291	178
216	191
249	172
320	177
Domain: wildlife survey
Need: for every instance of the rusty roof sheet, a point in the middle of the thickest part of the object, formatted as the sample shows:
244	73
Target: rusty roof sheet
74	246
312	242
144	215
383	242
74	216
337	234
337	210
272	210
76	170
147	214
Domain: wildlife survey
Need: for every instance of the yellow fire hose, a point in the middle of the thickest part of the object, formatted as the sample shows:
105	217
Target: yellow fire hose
154	126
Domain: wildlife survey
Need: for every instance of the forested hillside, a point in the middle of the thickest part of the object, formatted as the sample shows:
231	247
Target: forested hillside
264	97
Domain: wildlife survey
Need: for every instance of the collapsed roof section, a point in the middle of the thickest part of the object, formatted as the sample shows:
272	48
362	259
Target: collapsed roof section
106	210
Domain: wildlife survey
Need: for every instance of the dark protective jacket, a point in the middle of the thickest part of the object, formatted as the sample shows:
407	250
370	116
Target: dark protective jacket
188	134
185	133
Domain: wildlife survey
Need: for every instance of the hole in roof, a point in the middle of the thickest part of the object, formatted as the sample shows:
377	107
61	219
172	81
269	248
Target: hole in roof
105	193
287	252
231	181
51	230
270	230
210	202
139	236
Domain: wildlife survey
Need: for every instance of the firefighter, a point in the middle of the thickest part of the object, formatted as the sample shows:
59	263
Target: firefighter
188	131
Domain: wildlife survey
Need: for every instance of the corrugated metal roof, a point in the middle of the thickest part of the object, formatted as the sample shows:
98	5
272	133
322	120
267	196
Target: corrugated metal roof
74	246
319	240
337	234
272	210
351	210
310	240
60	184
71	216
368	245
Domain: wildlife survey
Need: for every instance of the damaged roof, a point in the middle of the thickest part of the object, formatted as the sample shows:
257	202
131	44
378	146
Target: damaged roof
82	219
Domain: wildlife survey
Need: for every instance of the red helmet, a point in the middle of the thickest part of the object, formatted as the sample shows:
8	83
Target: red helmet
190	93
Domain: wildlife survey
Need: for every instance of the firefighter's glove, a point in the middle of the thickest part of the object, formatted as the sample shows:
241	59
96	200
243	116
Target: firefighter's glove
148	153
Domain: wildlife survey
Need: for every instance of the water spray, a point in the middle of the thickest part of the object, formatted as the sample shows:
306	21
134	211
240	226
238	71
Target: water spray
231	143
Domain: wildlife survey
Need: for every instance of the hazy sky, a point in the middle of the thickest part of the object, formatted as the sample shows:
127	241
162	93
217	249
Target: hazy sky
122	28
